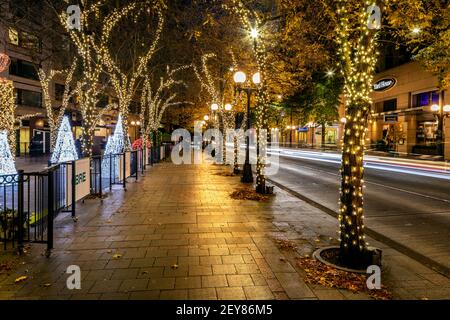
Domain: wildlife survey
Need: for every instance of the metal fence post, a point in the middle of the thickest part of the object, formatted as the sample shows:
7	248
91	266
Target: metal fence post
124	171
136	167
110	172
143	160
74	183
50	214
20	213
151	156
100	181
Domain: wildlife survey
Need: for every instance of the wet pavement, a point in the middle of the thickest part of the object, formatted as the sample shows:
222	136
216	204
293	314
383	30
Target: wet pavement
177	234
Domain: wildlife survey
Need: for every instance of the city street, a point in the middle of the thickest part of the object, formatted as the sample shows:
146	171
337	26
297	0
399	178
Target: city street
407	204
224	150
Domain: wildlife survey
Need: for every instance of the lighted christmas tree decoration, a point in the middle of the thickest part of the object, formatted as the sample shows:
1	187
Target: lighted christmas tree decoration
115	145
6	160
65	145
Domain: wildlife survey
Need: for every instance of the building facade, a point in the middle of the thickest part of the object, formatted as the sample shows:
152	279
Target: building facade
405	115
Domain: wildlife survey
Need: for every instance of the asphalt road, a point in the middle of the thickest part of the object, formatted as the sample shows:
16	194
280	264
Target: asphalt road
408	204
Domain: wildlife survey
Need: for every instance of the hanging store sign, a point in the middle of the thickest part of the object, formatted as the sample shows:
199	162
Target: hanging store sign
303	129
391	118
384	84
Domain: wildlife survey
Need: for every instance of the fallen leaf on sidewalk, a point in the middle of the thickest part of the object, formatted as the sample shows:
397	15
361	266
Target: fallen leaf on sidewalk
117	256
174	266
20	279
46	285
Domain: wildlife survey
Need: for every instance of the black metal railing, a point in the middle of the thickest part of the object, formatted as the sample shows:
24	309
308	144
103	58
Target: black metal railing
30	202
9	210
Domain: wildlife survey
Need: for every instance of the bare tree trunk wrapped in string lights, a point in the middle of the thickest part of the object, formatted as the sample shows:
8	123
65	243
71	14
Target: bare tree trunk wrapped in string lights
358	57
155	101
7	108
55	117
92	82
125	84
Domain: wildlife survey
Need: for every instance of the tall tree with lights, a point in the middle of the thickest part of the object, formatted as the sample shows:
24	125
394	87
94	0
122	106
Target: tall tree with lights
7	108
89	39
125	83
217	87
355	35
55	116
156	99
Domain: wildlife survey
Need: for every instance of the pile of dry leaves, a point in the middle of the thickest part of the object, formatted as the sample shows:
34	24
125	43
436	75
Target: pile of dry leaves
321	274
225	174
247	194
284	244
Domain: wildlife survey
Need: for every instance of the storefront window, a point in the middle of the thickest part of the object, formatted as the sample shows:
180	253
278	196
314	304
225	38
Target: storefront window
29	98
23	69
390	105
425	99
24	40
426	132
13	36
330	135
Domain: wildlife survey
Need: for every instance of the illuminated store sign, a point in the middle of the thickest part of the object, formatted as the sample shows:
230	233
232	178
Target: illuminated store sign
384	84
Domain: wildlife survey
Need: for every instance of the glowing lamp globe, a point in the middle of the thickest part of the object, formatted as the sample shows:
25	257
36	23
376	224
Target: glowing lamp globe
254	33
228	107
447	108
214	107
239	77
257	78
206	117
434	107
4	61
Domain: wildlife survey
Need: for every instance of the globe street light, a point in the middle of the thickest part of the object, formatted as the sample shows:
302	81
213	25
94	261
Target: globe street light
228	107
254	33
240	78
206	117
256	78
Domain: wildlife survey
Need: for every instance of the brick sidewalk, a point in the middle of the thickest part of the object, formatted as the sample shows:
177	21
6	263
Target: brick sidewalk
176	234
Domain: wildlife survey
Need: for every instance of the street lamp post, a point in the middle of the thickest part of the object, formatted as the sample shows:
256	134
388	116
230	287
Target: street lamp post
440	112
239	79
